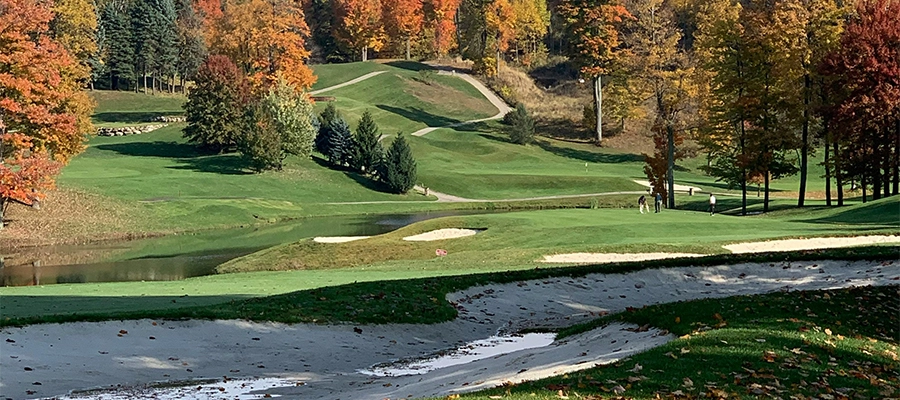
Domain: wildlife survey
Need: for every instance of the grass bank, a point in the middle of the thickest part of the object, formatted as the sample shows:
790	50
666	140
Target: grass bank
837	344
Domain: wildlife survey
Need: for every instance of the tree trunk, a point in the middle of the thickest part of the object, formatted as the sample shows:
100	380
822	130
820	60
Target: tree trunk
407	48
743	170
827	165
4	202
670	161
838	176
766	197
598	107
876	176
804	142
365	51
863	182
886	171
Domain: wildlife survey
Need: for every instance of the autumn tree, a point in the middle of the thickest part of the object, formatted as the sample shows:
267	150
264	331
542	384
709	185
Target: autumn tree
443	23
402	20
290	112
360	26
74	26
663	72
258	140
44	114
593	36
191	46
865	71
264	38
216	105
532	20
487	27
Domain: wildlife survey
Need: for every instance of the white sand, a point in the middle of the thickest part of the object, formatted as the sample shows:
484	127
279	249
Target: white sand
810	244
599	258
441	234
337	239
326	359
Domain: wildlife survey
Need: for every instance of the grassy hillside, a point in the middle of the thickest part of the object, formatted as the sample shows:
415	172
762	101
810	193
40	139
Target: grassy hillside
129	108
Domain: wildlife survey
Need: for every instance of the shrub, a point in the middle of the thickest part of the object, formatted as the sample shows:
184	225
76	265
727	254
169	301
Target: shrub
522	131
399	166
216	104
260	142
367	151
425	76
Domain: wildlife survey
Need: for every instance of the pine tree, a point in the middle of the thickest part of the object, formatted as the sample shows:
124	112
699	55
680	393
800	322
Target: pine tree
191	46
328	115
166	40
399	166
142	37
368	151
118	56
522	131
340	143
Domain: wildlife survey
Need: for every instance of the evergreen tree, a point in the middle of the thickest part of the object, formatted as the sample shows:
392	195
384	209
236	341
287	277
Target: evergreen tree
368	151
522	131
166	40
399	166
340	143
142	37
328	115
117	51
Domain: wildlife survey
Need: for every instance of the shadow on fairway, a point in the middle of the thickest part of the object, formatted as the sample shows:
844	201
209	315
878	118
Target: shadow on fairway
409	65
590	156
137	116
419	115
153	149
225	164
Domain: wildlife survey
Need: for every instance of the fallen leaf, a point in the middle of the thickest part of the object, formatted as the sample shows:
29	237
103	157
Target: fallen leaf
618	389
688	383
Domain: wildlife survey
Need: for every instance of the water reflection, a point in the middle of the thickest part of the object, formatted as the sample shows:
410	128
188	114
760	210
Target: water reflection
177	257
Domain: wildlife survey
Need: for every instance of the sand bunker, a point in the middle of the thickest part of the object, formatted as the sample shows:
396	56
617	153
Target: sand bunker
441	234
810	244
600	258
337	239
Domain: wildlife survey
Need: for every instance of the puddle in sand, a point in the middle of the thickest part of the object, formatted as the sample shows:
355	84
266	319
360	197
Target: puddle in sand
477	350
237	389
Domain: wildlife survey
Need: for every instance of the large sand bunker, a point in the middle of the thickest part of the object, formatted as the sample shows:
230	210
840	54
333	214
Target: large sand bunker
810	244
441	234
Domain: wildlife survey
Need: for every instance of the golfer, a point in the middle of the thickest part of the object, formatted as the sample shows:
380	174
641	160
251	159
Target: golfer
712	204
642	203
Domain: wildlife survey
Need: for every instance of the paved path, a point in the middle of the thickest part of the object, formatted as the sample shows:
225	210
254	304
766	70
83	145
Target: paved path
502	107
348	83
449	198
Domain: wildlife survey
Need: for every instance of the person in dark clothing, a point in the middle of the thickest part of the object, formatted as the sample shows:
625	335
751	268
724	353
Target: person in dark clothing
642	203
658	202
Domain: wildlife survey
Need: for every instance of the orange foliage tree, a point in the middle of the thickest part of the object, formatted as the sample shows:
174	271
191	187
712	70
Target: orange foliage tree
359	25
444	25
592	29
25	174
264	37
403	19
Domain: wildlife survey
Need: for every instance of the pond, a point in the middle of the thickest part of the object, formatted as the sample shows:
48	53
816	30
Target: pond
183	256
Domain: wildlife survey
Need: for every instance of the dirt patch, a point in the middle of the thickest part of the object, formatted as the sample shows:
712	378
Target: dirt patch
68	216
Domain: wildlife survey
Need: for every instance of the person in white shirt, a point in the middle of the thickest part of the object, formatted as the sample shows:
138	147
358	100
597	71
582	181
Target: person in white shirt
712	204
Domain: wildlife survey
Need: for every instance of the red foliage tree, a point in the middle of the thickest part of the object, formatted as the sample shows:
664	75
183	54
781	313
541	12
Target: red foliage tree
866	119
444	25
25	174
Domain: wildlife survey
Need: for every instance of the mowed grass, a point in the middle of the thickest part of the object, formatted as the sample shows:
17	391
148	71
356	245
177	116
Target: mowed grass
836	344
359	295
518	240
116	108
479	162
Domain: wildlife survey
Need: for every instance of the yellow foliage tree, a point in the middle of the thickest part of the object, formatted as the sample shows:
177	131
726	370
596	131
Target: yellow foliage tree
360	26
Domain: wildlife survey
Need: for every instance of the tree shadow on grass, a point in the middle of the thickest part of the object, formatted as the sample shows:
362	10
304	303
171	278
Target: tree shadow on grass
153	149
590	156
409	65
419	115
135	116
362	180
225	164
